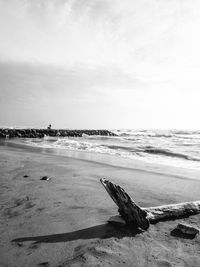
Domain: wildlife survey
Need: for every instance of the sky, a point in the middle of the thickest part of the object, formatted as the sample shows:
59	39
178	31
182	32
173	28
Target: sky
100	63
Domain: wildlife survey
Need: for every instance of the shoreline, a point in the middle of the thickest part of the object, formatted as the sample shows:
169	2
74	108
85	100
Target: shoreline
110	160
63	221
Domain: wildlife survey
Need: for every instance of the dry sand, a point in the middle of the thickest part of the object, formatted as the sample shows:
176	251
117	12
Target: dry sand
62	222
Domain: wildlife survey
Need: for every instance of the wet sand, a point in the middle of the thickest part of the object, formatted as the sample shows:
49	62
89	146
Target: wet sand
62	221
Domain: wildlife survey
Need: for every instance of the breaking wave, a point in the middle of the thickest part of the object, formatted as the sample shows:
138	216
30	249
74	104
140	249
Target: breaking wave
169	153
170	147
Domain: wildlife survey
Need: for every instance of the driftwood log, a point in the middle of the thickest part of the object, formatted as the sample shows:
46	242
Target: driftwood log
136	216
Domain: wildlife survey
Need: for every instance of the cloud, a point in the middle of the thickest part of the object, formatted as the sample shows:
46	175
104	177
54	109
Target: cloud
63	32
132	35
99	56
19	78
33	94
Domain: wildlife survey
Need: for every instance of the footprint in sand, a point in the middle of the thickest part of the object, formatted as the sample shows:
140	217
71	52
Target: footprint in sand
14	210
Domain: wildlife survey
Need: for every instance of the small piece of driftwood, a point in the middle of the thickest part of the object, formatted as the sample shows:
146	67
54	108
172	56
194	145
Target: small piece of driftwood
136	216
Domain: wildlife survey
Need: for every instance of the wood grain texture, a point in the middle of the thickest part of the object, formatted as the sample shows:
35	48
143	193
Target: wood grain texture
128	209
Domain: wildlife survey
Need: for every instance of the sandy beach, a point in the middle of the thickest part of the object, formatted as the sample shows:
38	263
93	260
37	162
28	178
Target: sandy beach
63	221
99	122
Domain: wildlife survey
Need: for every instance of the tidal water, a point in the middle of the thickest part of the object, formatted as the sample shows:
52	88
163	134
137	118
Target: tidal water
170	147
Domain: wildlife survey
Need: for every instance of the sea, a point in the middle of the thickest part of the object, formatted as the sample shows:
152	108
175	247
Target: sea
170	148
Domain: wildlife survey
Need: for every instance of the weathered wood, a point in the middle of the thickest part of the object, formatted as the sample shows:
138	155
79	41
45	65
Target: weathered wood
172	211
135	215
128	209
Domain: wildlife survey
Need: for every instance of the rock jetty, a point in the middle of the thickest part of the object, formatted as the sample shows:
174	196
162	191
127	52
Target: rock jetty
39	133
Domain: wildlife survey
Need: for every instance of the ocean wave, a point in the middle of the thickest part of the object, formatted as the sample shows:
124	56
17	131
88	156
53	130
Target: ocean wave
84	146
144	134
182	132
69	144
124	148
101	137
158	133
170	147
166	152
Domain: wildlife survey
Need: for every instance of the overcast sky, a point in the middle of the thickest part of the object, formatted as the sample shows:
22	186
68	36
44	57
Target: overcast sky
100	63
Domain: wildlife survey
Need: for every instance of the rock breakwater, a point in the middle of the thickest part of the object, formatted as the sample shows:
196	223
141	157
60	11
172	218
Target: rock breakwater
39	133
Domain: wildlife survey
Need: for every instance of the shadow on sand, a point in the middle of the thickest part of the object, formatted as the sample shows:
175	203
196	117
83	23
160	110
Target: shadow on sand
100	231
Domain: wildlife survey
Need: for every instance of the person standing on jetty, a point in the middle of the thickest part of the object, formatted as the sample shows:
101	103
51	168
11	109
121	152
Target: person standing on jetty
49	127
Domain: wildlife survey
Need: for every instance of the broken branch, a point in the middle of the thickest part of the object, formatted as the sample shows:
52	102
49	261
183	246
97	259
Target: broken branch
137	216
